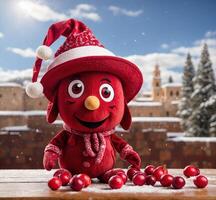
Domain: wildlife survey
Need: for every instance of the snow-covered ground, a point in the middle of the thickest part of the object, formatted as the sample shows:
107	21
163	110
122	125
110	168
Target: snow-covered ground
156	119
144	104
22	113
193	139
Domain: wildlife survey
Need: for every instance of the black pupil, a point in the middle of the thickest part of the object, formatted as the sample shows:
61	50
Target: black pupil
77	88
106	92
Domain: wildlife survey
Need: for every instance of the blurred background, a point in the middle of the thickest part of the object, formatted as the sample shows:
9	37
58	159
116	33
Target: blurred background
172	42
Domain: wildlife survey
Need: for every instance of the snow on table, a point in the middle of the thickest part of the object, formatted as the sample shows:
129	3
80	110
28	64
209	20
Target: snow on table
32	184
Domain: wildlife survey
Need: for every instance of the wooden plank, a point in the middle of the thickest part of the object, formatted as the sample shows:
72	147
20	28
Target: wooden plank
32	184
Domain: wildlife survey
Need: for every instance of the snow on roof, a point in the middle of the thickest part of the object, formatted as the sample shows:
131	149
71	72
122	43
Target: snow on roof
147	92
16	128
175	102
144	99
175	134
135	103
193	139
172	85
156	119
9	84
22	113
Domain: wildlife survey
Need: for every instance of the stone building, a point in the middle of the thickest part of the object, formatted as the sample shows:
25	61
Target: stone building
162	101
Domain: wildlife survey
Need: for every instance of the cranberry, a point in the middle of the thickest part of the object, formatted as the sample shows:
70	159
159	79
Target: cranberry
191	170
110	173
149	169
131	172
201	181
115	182
85	178
55	183
123	176
139	179
159	171
166	180
178	182
60	171
76	183
150	180
65	178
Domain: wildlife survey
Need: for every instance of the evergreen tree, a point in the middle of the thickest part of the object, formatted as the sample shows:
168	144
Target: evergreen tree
184	109
170	79
204	89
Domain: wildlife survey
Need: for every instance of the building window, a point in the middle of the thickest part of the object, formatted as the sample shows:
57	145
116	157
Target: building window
150	114
167	114
177	93
171	93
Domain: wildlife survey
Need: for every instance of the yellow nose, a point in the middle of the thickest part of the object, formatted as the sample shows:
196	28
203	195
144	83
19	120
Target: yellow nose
92	103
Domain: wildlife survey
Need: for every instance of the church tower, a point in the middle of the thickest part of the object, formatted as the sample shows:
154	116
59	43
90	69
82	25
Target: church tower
156	84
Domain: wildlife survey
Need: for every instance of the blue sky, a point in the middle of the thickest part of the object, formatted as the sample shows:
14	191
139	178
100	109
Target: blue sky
144	31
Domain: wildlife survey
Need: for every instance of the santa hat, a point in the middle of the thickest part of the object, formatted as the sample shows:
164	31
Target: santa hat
81	52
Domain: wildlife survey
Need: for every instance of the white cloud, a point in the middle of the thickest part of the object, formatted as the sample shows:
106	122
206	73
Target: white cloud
85	11
210	34
26	53
164	46
166	61
15	75
1	35
39	11
43	13
121	11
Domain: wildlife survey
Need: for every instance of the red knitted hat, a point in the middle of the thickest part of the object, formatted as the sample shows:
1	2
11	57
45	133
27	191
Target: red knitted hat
81	52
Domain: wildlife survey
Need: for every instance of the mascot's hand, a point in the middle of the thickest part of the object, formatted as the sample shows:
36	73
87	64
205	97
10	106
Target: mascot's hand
131	156
49	160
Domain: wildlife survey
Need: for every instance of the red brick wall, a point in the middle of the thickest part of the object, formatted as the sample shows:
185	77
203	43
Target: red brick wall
25	150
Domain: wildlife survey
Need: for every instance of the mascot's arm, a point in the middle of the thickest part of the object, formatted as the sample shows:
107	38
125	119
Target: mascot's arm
126	151
53	150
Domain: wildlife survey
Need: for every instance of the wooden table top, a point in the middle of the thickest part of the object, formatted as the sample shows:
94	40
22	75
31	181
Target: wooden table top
32	184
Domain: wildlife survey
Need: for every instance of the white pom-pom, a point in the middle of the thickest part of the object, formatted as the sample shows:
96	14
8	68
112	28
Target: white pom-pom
44	52
34	90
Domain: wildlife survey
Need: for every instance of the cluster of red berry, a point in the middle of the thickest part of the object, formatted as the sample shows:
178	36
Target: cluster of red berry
116	178
153	174
63	177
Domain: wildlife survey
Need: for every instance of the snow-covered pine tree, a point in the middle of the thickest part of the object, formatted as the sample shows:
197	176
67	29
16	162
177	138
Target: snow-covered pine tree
204	89
184	108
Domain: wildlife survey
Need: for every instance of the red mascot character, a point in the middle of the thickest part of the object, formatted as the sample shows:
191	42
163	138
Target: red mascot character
89	87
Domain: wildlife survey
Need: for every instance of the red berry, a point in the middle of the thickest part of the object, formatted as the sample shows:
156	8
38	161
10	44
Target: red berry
139	179
110	173
85	178
178	182
166	180
149	169
65	178
115	182
150	180
123	176
55	183
201	181
159	171
131	172
60	171
76	183
191	170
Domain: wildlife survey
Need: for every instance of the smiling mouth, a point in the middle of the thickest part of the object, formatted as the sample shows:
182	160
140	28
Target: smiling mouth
91	124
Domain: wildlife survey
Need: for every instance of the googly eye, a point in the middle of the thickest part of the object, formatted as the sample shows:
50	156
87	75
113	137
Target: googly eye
76	88
106	92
